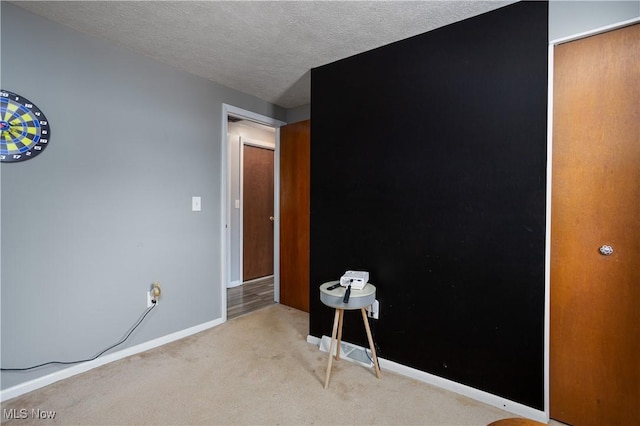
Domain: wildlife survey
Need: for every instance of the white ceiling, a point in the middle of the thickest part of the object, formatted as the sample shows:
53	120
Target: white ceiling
263	48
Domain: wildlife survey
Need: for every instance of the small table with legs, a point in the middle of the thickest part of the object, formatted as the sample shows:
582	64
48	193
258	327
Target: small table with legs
358	299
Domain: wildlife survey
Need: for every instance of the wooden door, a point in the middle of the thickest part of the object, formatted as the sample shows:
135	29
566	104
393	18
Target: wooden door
595	298
257	214
295	144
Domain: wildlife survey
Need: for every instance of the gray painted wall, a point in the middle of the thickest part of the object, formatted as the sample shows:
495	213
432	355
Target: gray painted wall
568	18
105	210
300	113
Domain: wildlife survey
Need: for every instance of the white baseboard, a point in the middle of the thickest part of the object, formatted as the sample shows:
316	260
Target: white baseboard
43	381
313	340
233	284
473	393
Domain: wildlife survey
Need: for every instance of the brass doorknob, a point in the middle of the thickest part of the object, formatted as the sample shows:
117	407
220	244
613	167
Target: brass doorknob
606	250
271	218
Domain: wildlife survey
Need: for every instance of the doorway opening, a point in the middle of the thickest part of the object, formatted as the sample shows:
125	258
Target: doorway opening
250	187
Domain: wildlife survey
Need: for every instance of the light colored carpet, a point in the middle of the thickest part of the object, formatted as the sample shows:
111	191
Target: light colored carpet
253	370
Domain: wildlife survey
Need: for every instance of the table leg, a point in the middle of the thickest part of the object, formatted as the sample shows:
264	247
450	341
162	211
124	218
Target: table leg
336	320
371	346
340	321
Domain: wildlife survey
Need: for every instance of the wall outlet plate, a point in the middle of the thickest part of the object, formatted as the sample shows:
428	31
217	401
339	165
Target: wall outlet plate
373	310
149	299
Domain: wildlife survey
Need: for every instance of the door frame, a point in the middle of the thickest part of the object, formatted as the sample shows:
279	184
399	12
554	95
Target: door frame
276	195
547	289
225	205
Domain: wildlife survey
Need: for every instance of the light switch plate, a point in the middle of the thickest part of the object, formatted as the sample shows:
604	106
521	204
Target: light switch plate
196	204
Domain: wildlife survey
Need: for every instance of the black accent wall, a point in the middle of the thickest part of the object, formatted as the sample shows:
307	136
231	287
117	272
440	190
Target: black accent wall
428	165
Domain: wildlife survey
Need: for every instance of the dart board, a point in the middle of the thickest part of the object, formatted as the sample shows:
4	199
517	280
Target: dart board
24	128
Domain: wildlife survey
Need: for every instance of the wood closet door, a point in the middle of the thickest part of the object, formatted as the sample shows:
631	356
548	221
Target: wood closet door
295	163
595	298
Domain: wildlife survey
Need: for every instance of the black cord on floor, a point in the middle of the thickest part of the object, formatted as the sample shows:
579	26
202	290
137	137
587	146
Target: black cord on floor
149	309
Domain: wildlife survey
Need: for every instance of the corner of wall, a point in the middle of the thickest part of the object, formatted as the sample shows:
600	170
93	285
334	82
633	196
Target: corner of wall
299	113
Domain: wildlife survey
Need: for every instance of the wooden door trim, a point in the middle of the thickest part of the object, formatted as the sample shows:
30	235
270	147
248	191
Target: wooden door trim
264	145
225	203
547	290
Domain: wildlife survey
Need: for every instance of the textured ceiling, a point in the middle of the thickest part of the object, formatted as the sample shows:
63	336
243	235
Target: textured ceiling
263	48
